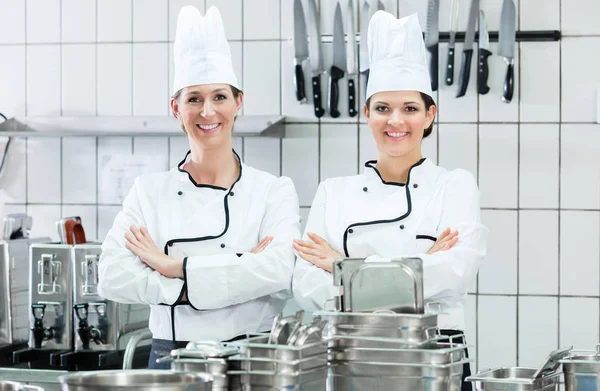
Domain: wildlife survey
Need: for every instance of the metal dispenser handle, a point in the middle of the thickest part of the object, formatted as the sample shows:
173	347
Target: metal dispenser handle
48	269
89	269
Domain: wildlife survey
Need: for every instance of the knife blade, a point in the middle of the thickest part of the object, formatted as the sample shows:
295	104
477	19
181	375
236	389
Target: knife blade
316	56
484	52
506	46
338	68
351	61
300	50
454	12
363	54
465	68
432	39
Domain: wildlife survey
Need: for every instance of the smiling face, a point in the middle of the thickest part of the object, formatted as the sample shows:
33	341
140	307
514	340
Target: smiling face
207	113
398	120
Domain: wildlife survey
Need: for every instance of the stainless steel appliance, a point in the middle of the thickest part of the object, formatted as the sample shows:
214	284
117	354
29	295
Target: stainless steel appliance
14	286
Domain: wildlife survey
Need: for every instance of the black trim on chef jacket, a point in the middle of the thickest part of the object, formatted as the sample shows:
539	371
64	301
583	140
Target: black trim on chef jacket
370	164
199	239
432	238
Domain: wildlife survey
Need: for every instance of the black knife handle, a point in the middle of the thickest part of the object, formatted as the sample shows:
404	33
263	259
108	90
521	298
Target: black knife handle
299	83
450	67
465	72
483	71
509	83
316	82
433	65
351	98
334	90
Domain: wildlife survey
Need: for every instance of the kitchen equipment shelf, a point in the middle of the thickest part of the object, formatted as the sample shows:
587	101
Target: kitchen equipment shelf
521	36
245	126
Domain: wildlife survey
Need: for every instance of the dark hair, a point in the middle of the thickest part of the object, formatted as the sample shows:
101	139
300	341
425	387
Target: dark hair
235	91
428	103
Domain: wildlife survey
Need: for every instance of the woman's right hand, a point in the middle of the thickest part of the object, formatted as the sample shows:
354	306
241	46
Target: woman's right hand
262	244
445	241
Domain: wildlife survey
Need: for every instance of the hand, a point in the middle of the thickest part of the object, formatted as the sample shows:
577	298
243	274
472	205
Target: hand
318	252
262	244
445	241
142	245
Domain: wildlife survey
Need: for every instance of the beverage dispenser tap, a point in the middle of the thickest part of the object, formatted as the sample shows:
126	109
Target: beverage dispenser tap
86	332
40	333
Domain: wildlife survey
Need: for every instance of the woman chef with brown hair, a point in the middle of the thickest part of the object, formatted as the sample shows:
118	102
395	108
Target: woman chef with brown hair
207	244
403	204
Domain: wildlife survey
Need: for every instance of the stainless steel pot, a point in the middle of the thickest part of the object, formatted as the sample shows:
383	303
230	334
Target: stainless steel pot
138	380
582	371
433	354
379	319
514	379
395	383
14	386
383	369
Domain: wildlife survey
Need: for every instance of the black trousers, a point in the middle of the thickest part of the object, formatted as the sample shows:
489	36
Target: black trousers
466	386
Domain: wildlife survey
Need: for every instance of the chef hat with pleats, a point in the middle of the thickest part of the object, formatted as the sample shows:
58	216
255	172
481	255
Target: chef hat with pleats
397	55
201	51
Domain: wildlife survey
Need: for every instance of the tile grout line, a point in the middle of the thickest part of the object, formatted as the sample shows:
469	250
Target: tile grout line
26	112
559	171
517	304
61	92
96	141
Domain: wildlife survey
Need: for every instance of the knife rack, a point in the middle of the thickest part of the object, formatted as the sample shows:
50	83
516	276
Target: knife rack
521	36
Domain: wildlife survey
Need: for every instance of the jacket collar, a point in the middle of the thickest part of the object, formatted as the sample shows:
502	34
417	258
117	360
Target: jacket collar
417	172
187	175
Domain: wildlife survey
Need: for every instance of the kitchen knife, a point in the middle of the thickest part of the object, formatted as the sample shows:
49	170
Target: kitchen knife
465	68
432	39
506	46
484	53
454	12
351	61
363	53
338	68
316	56
300	50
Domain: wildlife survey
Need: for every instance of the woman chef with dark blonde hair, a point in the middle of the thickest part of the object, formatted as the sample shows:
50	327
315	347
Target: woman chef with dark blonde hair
403	204
207	244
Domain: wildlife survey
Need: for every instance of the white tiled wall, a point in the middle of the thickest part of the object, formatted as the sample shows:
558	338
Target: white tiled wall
536	159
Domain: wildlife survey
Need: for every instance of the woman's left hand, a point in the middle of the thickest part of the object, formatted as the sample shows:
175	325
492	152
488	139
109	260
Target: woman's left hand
142	245
318	252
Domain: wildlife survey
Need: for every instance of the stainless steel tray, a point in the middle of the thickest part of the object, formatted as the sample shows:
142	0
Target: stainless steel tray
514	379
395	383
377	369
396	285
284	381
258	347
433	354
379	319
281	366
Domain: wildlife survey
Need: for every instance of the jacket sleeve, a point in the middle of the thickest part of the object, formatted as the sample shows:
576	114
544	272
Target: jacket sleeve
448	274
123	277
218	281
313	286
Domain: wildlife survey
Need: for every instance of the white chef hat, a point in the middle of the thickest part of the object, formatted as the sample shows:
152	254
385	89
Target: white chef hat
201	51
397	55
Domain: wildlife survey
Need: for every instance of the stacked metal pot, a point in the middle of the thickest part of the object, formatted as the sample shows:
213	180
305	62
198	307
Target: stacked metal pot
292	357
379	337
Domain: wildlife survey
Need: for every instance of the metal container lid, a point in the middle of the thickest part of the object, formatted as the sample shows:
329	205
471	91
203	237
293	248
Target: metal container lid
206	349
552	362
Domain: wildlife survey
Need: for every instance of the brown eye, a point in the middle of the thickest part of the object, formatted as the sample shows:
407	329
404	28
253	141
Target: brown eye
220	97
381	108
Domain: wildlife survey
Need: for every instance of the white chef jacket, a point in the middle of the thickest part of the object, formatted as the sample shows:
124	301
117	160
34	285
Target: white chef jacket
231	291
362	215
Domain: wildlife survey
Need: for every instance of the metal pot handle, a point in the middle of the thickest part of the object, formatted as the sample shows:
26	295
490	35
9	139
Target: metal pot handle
138	336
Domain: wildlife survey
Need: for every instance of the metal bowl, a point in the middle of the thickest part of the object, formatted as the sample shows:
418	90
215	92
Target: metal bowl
14	386
138	380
